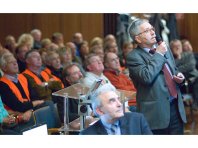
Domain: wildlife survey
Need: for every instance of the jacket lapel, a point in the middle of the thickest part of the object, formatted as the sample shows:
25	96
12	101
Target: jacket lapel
123	126
100	128
170	65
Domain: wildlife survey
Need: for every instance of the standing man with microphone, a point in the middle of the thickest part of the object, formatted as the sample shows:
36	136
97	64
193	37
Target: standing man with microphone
155	76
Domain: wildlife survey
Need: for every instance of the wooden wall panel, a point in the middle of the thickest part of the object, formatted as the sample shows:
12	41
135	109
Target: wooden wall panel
14	24
47	23
90	25
188	28
70	23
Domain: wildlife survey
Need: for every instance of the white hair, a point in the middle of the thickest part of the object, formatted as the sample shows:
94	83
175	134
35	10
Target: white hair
96	101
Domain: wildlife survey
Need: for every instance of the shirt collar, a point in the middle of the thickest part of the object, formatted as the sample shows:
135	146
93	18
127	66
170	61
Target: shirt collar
116	72
12	78
108	125
148	49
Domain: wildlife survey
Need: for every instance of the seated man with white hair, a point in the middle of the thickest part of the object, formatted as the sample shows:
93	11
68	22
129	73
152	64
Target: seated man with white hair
113	121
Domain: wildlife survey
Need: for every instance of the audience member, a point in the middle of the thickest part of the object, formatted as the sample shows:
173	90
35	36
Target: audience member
186	45
98	50
73	49
77	40
118	79
26	39
43	53
14	86
10	43
96	41
37	35
21	50
65	56
53	47
113	121
6	121
15	92
45	43
186	63
53	66
58	39
127	47
111	47
84	50
40	81
109	38
72	75
95	69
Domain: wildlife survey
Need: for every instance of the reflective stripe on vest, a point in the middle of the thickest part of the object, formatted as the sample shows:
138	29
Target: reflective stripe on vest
44	75
23	81
47	70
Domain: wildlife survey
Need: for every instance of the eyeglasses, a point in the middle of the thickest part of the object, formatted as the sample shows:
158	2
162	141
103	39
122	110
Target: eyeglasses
96	61
147	31
114	60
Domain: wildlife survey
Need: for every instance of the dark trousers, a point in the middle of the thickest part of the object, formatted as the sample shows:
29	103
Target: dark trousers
176	126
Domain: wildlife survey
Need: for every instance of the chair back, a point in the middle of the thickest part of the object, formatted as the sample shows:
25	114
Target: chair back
44	115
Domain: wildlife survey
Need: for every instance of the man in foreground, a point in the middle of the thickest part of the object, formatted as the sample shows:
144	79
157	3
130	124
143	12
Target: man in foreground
113	121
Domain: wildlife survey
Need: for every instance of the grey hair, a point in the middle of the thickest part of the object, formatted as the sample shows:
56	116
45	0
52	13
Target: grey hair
133	28
4	59
28	54
96	101
35	31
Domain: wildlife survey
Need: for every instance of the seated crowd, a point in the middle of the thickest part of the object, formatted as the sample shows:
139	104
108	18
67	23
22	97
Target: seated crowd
33	68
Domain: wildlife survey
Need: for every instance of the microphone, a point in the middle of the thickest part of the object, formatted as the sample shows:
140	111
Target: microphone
158	39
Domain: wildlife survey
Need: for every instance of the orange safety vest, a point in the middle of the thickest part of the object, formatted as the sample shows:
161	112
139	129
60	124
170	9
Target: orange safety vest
47	70
44	75
23	81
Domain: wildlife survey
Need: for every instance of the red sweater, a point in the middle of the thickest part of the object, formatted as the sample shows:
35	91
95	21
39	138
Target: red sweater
120	81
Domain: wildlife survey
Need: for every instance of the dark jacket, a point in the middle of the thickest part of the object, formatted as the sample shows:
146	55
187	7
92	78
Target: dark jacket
130	124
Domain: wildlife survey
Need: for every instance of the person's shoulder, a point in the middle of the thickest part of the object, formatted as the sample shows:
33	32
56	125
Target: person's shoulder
89	75
86	131
91	130
134	52
134	115
3	84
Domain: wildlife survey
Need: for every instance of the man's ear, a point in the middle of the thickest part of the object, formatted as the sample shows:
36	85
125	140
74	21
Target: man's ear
137	39
106	64
27	61
4	68
68	80
99	111
89	67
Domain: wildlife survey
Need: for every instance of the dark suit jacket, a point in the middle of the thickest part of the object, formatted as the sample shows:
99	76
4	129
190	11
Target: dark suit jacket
152	93
130	124
187	65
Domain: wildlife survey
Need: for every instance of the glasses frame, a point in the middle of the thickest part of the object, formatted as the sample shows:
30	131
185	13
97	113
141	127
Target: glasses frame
147	31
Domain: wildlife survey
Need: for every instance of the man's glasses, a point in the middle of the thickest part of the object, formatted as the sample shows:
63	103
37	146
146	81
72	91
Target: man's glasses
147	31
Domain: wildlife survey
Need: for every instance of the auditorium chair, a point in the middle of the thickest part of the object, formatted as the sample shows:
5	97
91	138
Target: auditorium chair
45	116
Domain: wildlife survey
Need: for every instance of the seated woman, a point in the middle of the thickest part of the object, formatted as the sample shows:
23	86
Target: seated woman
14	123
